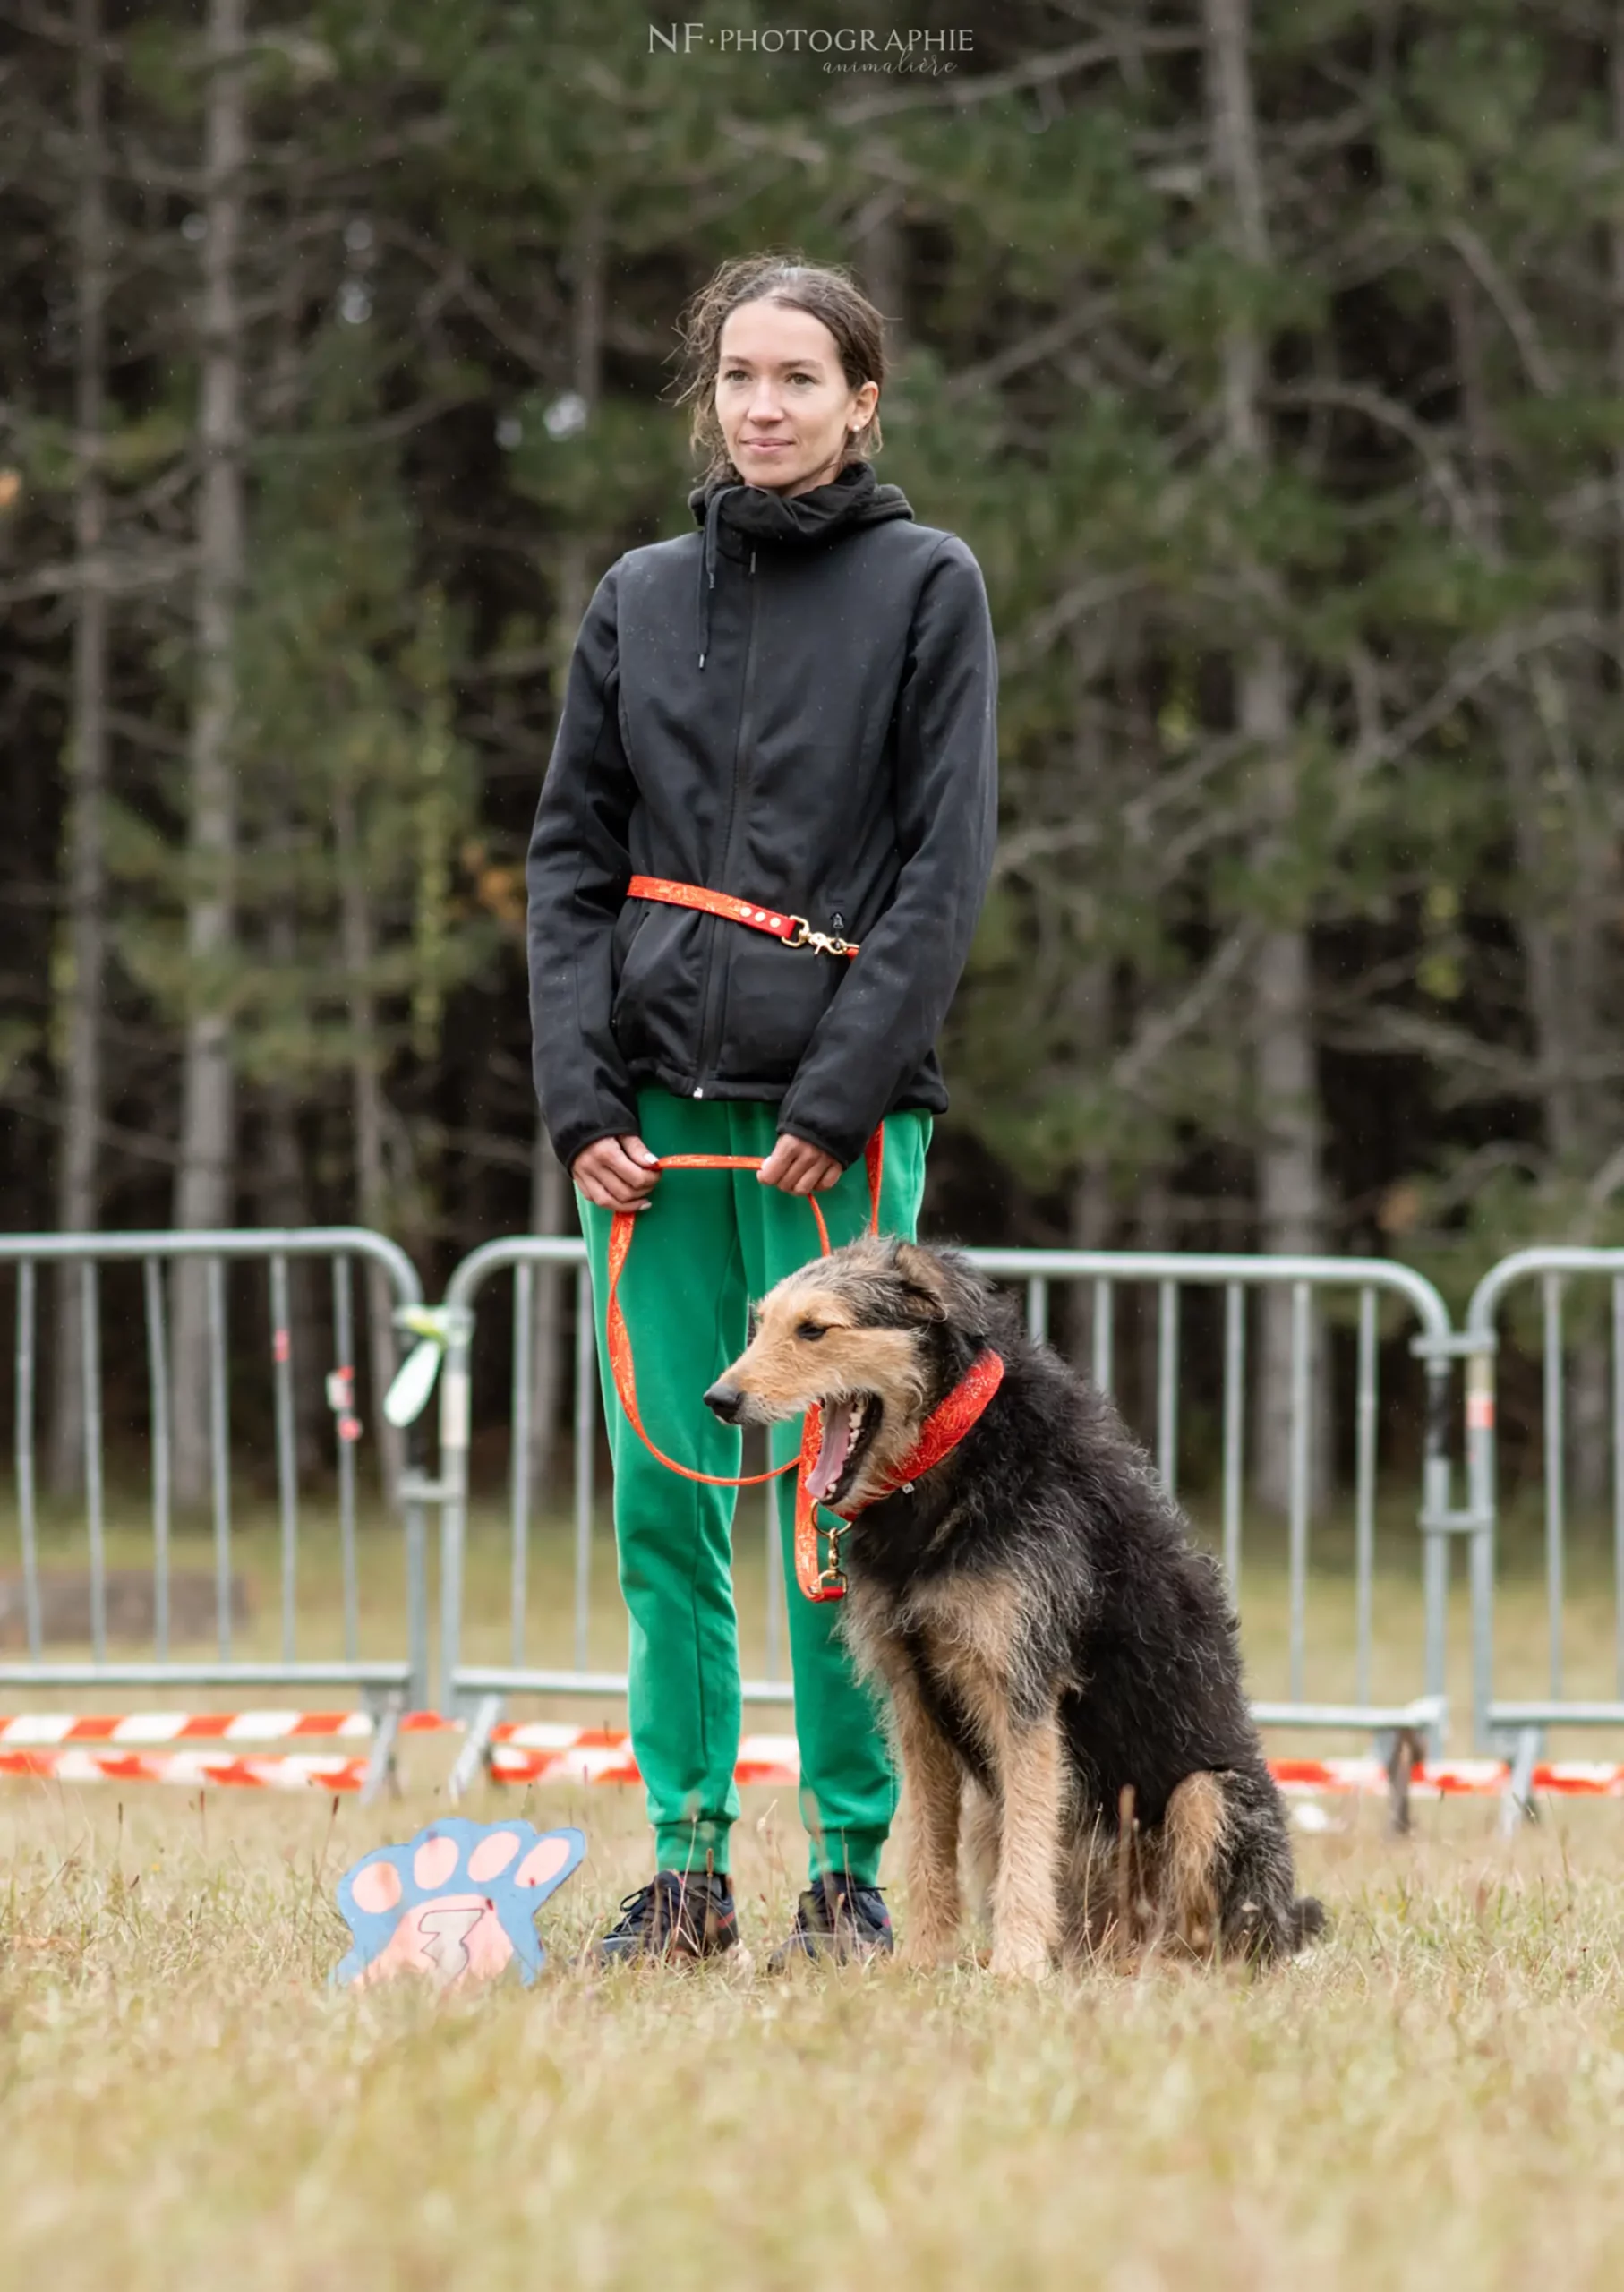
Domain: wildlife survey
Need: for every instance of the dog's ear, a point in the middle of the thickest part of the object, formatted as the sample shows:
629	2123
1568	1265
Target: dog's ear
920	1277
957	1294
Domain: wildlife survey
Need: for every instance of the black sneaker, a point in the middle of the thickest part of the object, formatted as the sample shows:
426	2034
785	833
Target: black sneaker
837	1921
678	1914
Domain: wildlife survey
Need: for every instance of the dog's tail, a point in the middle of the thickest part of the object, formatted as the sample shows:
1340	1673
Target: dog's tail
1308	1920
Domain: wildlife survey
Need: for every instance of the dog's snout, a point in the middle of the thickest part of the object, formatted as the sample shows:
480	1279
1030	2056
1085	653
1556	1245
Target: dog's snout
725	1401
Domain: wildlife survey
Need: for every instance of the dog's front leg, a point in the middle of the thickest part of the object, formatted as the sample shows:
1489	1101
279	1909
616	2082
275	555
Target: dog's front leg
1025	1899
931	1773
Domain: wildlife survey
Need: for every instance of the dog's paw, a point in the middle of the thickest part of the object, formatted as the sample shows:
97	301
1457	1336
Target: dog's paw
1021	1958
457	1903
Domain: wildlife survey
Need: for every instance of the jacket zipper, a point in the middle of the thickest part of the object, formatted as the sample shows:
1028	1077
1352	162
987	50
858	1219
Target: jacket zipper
711	998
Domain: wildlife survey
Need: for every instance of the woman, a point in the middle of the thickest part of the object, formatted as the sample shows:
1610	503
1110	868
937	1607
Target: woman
794	706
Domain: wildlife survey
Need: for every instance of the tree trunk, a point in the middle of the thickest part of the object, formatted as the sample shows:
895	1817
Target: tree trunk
287	1200
203	1179
1092	988
366	1107
548	1182
1562	844
1091	1213
286	1190
1291	1210
881	256
1290	1164
1593	1432
86	872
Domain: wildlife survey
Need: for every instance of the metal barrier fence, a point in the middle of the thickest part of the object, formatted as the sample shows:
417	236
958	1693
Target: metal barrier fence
1525	1719
388	1684
477	1690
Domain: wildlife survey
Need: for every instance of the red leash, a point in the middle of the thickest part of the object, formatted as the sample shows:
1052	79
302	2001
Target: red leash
793	931
945	1426
943	1430
817	1582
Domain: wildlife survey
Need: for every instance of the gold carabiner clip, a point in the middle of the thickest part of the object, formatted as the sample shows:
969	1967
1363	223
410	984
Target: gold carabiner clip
833	1577
820	942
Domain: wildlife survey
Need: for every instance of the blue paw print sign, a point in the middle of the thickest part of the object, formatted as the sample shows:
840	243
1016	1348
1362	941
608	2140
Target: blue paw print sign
457	1903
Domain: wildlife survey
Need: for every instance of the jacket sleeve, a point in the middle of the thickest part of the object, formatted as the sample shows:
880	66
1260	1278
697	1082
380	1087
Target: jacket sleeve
575	876
891	1004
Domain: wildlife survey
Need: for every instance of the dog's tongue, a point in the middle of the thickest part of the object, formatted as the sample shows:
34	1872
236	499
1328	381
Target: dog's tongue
832	1455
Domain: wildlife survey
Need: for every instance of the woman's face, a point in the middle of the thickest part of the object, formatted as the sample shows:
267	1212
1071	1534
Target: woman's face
782	398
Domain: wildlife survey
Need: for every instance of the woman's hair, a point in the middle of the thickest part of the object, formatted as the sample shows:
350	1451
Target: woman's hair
827	291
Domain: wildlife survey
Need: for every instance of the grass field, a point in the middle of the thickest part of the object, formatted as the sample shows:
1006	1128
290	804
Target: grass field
1433	2098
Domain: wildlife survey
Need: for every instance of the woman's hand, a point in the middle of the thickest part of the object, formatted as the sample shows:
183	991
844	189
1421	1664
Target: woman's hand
616	1173
795	1165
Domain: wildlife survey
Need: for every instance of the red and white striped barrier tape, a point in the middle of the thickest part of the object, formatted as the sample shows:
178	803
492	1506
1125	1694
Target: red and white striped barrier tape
58	1748
1314	1778
212	1770
62	1745
37	1730
542	1752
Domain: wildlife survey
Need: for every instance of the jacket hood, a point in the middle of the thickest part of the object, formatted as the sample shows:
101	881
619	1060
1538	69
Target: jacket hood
853	499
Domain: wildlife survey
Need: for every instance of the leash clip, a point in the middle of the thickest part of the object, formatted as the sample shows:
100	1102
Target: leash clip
822	942
831	1579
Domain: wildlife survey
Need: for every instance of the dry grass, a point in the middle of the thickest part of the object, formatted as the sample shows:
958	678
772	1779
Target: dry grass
1433	2098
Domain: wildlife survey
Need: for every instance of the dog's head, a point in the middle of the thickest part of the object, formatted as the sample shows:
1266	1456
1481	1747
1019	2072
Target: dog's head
875	1334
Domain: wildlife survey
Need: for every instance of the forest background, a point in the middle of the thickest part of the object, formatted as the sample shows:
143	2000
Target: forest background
1271	361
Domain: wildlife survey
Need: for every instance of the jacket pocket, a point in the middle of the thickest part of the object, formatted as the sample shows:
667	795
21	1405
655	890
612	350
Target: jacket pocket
623	953
775	998
654	1013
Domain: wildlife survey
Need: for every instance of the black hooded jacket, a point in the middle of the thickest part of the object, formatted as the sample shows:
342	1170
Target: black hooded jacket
796	704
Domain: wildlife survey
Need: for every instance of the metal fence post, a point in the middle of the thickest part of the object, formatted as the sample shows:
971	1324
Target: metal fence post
455	1413
415	1528
1497	1715
1481	1489
465	1683
1435	1503
88	1660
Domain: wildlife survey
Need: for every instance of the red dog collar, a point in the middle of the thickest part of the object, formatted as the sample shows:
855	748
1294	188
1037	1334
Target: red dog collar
943	1430
949	1422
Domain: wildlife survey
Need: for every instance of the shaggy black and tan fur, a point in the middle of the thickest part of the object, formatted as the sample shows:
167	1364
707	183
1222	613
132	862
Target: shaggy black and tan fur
1059	1654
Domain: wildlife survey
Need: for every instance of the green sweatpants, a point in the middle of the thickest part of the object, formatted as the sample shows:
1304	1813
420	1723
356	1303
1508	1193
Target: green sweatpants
712	1241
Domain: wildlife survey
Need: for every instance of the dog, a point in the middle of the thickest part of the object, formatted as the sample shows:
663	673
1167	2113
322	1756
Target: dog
1062	1661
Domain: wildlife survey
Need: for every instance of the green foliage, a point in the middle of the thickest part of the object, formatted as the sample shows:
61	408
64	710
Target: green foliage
625	468
460	220
348	658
